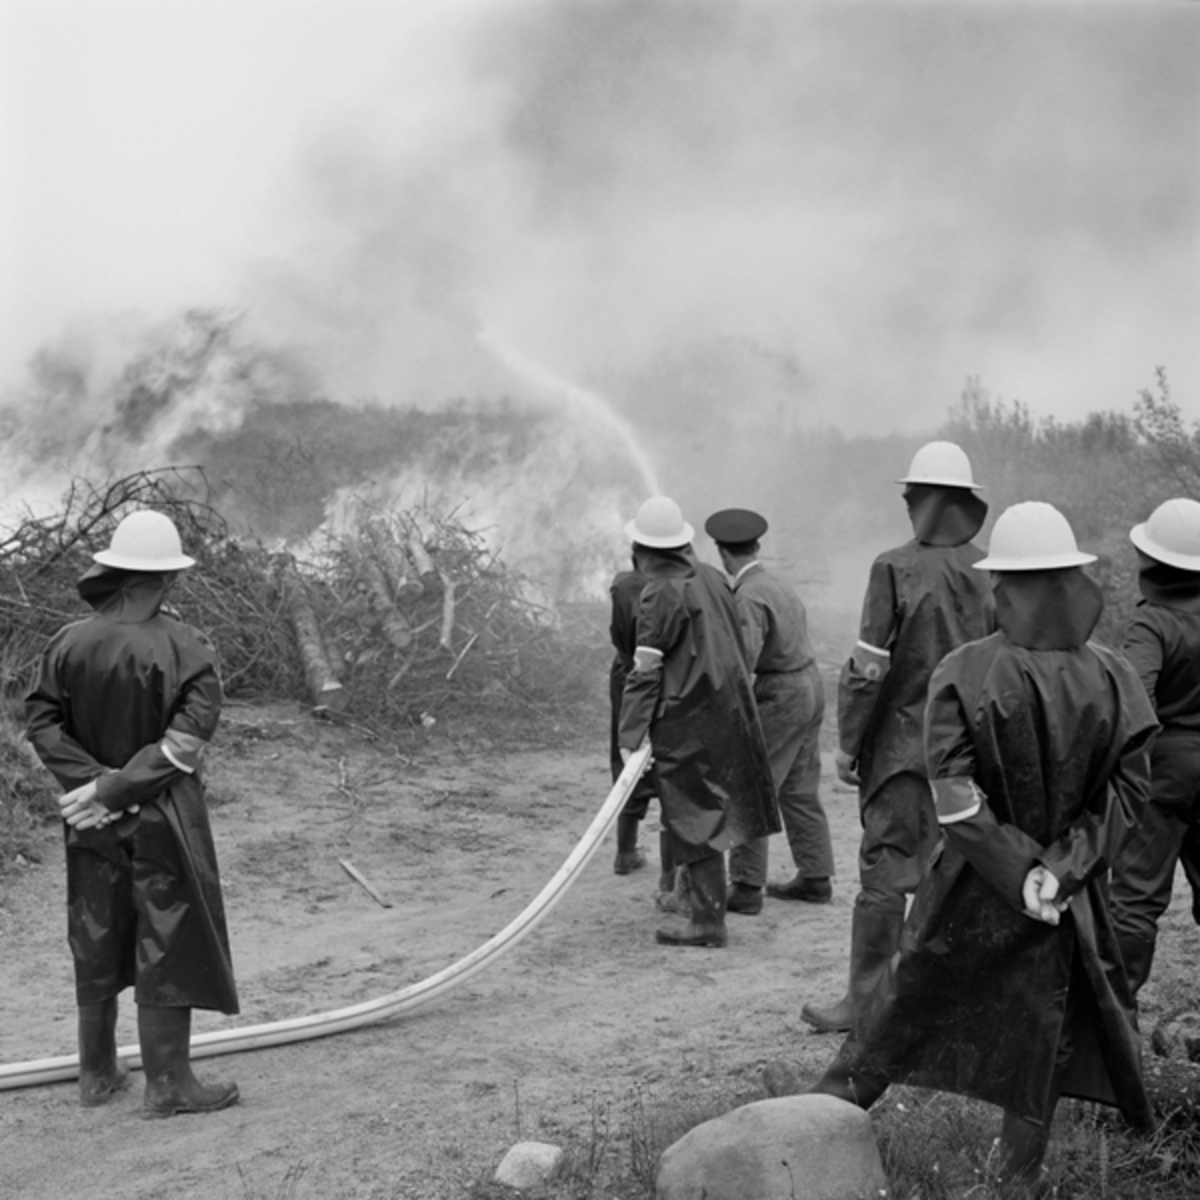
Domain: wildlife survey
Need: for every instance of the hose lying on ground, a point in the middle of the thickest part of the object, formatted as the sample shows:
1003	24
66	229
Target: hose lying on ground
299	1029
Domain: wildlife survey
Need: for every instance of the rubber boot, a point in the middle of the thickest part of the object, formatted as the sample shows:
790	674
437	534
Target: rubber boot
817	890
101	1073
1138	956
846	1083
165	1036
629	855
706	927
874	937
1022	1147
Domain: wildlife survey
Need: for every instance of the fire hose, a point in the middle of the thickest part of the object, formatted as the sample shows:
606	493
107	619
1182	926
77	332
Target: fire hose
299	1029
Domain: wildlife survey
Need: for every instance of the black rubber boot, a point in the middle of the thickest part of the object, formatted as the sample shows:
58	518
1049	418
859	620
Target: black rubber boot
1022	1148
706	884
844	1082
874	938
744	899
101	1073
1138	957
165	1036
629	855
817	890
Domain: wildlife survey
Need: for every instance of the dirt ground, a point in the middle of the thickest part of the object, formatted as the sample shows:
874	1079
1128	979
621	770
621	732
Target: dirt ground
586	1026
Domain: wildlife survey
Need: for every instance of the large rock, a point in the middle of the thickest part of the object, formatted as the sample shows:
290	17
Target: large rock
529	1165
792	1148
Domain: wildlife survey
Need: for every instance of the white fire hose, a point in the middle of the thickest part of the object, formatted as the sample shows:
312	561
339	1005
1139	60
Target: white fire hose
299	1029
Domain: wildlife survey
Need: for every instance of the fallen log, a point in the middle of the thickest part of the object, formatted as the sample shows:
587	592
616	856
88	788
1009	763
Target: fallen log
419	555
446	641
395	564
390	619
325	688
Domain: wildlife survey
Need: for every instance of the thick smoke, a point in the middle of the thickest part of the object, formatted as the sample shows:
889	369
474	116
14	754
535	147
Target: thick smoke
726	220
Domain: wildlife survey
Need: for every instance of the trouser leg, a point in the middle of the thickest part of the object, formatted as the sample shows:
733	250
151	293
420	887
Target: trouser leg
748	863
164	1035
100	1071
1144	871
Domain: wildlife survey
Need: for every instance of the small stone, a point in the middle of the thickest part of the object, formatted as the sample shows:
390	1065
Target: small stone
528	1165
1178	1036
814	1146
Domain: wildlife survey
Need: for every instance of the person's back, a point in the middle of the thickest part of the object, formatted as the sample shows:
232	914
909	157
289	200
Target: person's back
122	709
790	696
923	599
1162	641
1008	986
689	693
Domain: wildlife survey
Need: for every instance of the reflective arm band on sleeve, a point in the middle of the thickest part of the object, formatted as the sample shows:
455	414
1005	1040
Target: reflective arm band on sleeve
182	750
956	799
646	658
870	662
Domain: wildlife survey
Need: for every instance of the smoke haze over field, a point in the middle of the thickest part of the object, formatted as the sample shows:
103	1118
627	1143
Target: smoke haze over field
810	213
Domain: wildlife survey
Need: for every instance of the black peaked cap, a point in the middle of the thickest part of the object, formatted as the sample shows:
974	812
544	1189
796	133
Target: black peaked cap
733	525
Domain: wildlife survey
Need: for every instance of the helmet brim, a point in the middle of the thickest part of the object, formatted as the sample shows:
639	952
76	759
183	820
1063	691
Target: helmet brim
127	562
660	541
932	481
1043	562
1146	544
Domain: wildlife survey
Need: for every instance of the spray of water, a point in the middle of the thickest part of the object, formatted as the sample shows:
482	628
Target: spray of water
580	398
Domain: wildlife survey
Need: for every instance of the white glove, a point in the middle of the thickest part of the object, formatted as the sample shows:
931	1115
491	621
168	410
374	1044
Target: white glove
1039	894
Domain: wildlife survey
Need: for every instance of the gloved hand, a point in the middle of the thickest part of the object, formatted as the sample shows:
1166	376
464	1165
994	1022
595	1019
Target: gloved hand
847	769
1039	894
81	810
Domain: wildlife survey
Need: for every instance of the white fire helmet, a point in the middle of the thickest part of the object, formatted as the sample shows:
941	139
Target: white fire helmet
660	525
145	541
1172	534
1032	536
943	464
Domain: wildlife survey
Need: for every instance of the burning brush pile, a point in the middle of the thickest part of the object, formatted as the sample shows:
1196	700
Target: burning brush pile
403	618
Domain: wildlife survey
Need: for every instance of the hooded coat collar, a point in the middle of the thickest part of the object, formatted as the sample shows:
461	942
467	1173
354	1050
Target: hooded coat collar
1047	610
127	597
1169	586
944	516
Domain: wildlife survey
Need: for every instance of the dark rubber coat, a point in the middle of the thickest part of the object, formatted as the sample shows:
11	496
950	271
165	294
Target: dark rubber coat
143	893
977	1000
711	770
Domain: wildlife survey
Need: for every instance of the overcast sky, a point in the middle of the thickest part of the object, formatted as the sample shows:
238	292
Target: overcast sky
892	195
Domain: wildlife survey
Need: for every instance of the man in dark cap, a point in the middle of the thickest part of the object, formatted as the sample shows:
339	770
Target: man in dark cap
923	599
123	707
1162	642
791	706
1008	985
689	693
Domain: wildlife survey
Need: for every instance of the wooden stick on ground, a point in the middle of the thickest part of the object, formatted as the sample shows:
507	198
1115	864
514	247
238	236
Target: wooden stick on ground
362	880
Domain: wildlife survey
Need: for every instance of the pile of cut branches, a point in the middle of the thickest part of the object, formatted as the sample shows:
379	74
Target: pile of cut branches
229	594
398	620
416	615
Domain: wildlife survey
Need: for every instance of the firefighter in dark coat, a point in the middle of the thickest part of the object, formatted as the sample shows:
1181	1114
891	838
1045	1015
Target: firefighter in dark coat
689	692
1163	644
1009	986
791	707
923	599
626	593
124	704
